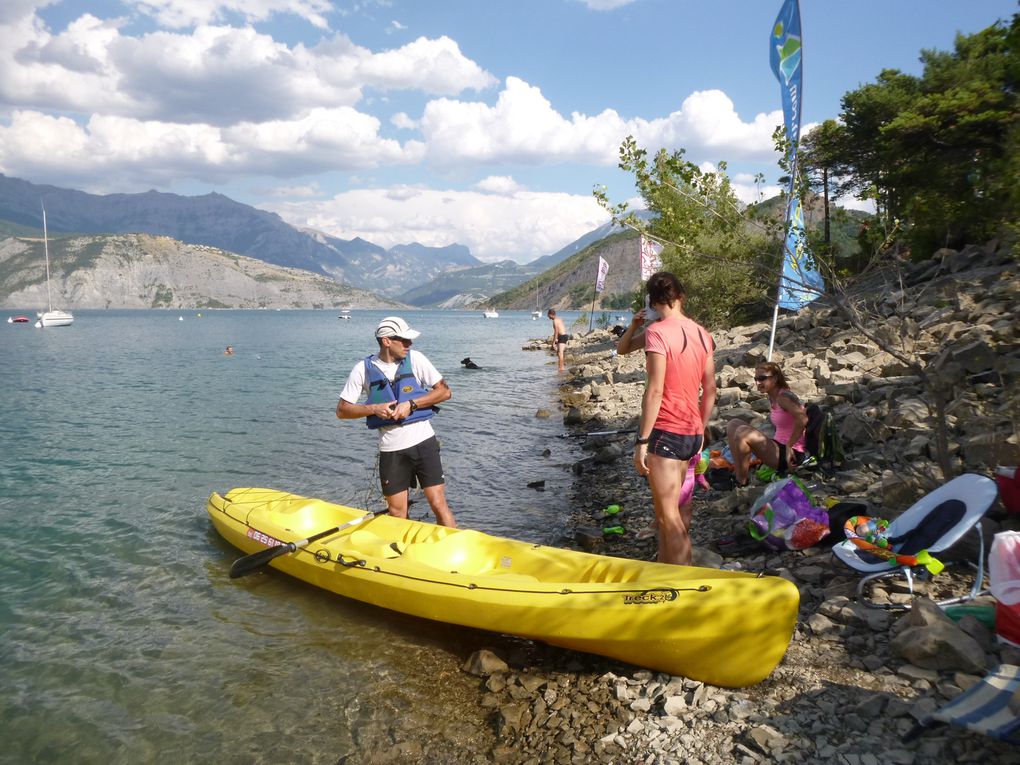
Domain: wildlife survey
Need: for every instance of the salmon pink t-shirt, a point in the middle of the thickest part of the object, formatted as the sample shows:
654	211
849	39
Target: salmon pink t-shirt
686	346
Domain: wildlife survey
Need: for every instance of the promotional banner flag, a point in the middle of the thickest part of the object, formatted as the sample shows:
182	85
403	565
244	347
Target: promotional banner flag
800	282
650	258
785	57
600	281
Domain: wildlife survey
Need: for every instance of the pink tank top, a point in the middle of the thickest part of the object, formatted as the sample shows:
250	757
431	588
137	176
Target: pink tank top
783	421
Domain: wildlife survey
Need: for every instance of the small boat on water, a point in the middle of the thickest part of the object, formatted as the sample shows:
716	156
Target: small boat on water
727	628
345	314
491	314
17	320
51	317
536	314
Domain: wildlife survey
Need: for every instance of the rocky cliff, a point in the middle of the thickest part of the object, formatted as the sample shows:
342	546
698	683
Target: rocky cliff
144	271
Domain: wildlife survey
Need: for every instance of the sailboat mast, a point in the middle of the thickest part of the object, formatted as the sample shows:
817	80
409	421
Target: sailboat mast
46	249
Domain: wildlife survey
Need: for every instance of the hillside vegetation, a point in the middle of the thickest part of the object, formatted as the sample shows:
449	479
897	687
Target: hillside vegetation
571	283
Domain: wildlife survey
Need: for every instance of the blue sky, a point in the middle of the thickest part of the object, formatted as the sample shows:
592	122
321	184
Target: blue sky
480	122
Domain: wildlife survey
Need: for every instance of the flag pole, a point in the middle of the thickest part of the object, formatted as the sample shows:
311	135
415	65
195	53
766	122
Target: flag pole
591	315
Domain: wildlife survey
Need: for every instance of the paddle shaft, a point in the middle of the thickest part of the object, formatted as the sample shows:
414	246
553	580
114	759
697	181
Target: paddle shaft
597	433
255	561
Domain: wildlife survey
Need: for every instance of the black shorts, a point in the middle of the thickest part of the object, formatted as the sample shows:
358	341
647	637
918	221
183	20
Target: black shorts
399	470
562	339
798	457
672	446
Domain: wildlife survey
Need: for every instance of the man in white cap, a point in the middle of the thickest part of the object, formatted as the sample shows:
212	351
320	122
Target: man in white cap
402	390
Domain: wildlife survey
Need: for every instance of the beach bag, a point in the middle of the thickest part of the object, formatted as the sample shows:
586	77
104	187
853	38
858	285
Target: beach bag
785	518
1004	576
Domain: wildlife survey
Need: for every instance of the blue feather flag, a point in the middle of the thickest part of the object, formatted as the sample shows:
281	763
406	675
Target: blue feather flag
800	282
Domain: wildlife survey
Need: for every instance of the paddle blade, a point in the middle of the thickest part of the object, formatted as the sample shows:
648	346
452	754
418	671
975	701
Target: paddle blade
255	561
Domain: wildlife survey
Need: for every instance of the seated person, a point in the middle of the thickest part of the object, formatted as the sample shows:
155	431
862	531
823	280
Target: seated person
789	417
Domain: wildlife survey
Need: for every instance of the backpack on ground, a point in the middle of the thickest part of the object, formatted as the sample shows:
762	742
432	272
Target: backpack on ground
821	438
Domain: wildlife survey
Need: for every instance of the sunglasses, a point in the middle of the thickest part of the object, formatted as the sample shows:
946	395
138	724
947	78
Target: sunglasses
403	341
761	378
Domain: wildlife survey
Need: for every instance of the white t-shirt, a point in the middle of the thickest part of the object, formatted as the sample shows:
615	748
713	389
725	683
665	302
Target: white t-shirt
393	438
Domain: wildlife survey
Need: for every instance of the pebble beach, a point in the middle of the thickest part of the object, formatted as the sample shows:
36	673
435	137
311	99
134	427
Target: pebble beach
855	680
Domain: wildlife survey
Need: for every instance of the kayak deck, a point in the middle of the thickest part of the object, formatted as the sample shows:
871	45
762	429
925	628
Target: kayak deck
724	627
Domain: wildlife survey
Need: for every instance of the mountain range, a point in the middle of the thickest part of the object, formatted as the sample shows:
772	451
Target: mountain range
220	222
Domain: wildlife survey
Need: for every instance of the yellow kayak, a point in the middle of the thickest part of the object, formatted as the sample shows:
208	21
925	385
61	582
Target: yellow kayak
727	628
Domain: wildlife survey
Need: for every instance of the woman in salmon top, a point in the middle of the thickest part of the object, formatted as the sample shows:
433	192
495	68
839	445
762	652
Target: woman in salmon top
676	406
786	448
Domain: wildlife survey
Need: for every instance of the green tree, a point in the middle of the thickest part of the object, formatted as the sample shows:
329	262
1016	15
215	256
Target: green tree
940	151
708	241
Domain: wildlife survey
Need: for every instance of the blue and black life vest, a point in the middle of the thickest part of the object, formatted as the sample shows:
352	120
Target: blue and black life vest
405	386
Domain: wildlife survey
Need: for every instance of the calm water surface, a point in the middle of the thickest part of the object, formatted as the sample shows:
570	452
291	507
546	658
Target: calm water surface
122	638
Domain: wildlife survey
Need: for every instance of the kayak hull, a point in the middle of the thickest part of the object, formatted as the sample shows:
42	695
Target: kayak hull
727	628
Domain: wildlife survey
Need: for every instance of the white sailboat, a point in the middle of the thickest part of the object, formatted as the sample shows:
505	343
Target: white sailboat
49	317
491	313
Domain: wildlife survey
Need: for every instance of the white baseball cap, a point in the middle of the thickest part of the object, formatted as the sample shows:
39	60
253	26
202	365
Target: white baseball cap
394	326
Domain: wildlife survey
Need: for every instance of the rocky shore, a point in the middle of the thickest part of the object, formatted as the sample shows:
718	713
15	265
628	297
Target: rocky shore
854	679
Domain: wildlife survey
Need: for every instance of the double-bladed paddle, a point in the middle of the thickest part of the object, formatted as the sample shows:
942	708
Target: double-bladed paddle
250	563
597	433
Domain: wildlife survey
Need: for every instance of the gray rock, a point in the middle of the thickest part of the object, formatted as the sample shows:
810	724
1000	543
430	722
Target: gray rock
484	663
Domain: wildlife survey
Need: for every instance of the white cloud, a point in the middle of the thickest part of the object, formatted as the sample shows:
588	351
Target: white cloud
15	10
853	203
288	192
403	122
520	227
749	191
211	74
433	66
605	5
148	153
188	13
498	184
522	126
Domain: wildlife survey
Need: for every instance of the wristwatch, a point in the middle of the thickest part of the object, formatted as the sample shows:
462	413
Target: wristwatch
638	441
414	406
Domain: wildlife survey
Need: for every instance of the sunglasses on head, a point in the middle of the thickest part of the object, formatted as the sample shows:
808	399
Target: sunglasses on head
761	378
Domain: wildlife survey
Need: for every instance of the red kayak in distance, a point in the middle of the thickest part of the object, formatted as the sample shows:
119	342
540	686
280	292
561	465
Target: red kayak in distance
17	320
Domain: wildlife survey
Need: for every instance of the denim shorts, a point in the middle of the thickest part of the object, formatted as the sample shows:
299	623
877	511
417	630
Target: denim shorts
672	446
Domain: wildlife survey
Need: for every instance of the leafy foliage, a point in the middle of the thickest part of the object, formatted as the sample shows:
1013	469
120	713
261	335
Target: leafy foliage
708	242
940	152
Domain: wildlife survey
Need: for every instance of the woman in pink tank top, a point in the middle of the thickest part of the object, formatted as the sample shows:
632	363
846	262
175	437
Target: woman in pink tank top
789	417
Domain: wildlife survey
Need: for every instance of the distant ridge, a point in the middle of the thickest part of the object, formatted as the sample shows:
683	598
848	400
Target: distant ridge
146	271
218	221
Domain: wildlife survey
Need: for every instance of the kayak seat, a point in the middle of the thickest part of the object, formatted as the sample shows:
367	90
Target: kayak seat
365	544
464	552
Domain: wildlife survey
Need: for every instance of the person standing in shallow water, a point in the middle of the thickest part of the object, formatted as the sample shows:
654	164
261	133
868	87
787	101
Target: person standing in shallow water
678	366
559	338
402	388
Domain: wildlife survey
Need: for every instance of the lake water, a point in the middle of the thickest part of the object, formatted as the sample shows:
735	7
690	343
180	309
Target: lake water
122	638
